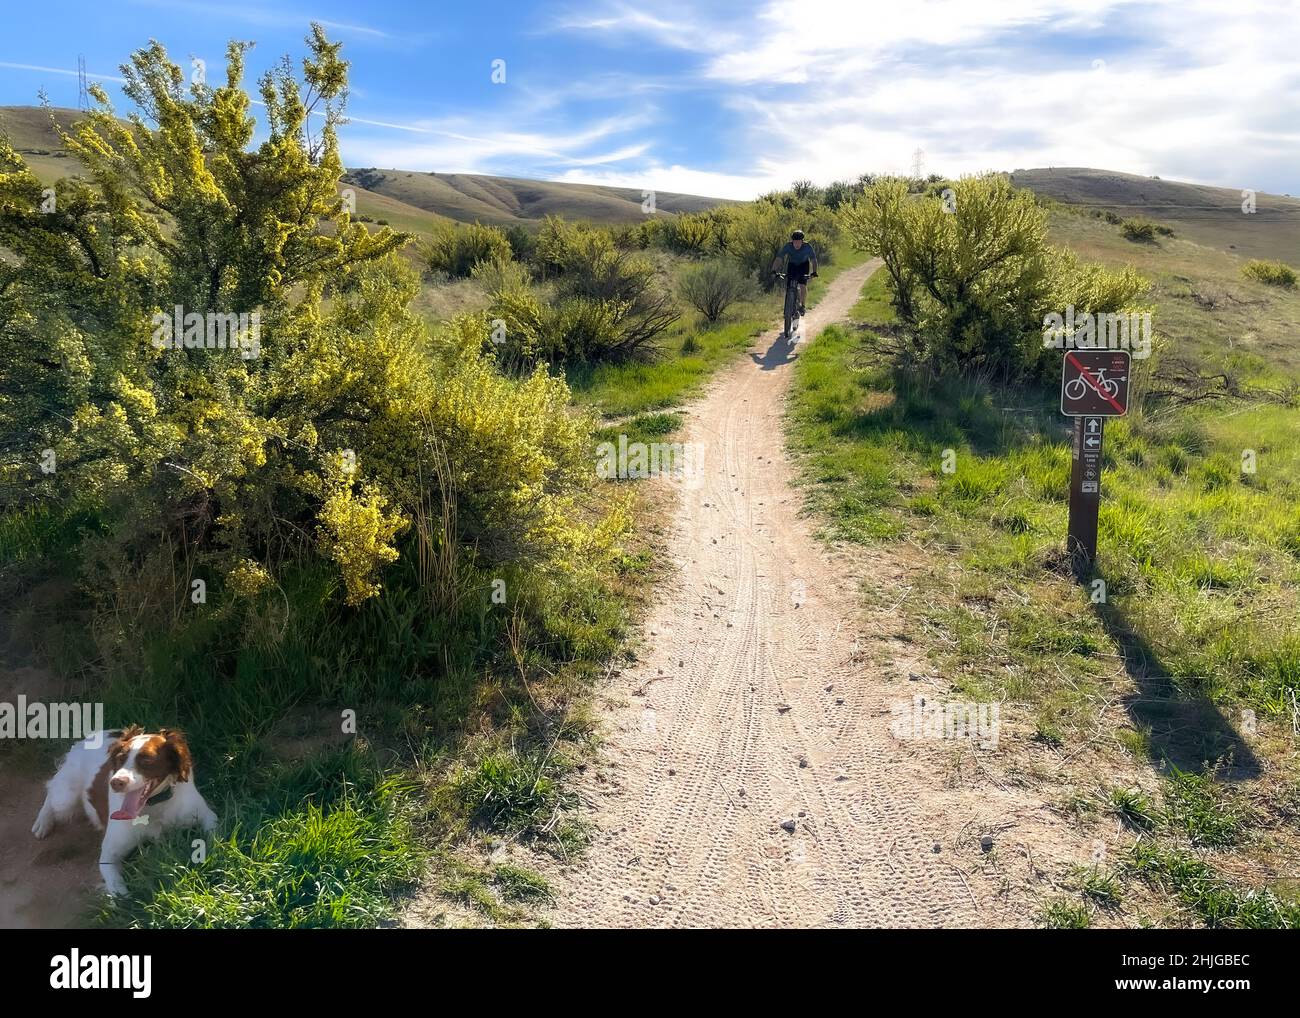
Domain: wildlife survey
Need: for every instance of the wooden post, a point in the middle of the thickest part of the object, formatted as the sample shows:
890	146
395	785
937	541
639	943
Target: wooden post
1085	492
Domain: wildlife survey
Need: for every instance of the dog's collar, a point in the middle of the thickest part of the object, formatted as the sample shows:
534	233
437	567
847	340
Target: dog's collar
162	796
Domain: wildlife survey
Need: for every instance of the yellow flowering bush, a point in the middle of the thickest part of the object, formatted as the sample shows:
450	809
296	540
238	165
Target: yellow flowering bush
348	418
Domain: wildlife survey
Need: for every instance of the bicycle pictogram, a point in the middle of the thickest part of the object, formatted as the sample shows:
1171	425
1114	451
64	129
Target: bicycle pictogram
1094	383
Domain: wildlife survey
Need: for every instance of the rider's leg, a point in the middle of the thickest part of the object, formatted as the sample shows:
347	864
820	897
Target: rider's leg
803	296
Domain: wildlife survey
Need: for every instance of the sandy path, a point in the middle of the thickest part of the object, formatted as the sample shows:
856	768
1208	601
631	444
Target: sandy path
46	883
748	710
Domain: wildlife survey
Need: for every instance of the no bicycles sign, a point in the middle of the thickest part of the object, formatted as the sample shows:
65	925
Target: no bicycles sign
1094	386
1094	383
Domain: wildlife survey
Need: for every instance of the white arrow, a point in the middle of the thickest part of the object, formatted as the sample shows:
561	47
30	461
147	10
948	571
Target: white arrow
1090	441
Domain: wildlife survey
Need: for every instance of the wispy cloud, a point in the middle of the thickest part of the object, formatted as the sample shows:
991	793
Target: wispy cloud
61	71
263	16
685	180
673	25
489	146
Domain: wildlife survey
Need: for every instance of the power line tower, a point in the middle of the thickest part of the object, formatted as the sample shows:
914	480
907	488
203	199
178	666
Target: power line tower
83	93
918	161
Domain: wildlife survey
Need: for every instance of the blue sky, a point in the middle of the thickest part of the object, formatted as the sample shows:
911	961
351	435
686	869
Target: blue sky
732	99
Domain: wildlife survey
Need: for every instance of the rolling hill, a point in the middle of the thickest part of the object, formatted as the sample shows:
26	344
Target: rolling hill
418	201
1206	215
406	199
30	132
506	200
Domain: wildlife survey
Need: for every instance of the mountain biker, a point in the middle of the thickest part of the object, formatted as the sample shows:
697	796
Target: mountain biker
798	256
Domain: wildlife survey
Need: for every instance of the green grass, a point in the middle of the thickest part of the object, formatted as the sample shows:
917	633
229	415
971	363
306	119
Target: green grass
641	428
1099	887
1197	618
691	352
519	884
1196	806
1063	914
501	894
512	793
1214	901
637	387
337	862
1134	808
323	824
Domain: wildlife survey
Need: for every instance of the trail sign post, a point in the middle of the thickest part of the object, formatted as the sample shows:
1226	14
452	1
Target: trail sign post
1094	386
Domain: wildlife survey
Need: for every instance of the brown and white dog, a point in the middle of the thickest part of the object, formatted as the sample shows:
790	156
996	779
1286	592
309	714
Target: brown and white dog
131	785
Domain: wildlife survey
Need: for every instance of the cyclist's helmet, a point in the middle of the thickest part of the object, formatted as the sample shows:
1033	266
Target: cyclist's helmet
797	235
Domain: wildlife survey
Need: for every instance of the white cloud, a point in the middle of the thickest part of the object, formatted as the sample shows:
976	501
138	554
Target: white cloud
838	38
682	179
1192	89
676	26
460	146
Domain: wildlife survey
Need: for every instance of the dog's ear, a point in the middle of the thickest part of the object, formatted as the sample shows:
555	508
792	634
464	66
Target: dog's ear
179	750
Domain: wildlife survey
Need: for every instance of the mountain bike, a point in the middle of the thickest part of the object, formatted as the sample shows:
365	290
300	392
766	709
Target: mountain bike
793	313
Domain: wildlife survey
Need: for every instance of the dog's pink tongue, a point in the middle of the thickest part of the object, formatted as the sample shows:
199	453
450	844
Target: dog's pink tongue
130	805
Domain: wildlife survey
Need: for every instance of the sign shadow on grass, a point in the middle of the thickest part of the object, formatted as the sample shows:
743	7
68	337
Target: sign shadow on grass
1187	732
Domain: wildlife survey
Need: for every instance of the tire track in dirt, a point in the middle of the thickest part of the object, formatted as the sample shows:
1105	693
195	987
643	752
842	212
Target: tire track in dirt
756	703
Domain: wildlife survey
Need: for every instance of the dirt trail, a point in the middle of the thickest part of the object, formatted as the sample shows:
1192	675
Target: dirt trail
45	883
750	709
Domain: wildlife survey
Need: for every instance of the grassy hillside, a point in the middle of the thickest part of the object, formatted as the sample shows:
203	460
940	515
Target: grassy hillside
1207	215
505	200
1210	315
30	132
406	200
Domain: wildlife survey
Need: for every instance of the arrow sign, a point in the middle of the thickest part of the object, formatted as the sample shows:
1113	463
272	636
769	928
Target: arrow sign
1085	492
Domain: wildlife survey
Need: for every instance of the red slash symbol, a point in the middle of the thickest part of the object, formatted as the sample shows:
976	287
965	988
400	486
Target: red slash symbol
1088	377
